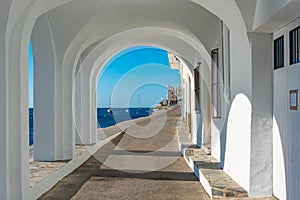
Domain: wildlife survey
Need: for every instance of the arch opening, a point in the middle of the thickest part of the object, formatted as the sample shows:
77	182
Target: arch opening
123	83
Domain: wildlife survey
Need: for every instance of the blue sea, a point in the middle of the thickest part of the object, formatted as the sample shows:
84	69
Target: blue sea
106	117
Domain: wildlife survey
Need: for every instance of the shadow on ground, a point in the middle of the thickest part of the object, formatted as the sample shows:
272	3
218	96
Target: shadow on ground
95	180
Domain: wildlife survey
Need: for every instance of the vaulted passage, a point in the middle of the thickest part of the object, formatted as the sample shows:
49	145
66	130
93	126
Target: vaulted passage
239	65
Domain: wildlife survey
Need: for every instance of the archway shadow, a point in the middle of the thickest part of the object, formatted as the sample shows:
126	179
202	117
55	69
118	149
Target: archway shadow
223	140
95	170
71	184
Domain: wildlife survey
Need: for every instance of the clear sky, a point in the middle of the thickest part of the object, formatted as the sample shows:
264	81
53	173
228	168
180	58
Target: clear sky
30	76
136	77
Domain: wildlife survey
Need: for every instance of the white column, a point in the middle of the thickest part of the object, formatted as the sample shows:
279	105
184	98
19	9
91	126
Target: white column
205	103
48	137
14	111
68	115
235	140
93	107
198	115
4	8
77	109
86	120
89	116
188	103
3	132
86	133
261	167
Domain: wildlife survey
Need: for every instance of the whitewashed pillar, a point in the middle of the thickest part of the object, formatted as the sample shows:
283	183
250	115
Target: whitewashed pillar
93	108
68	126
87	134
48	136
205	103
88	126
14	174
198	115
77	109
261	166
4	7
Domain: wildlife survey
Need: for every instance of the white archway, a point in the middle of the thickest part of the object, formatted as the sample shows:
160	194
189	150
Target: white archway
94	63
175	41
20	21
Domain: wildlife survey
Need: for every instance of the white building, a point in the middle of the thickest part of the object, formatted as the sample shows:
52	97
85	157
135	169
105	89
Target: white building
246	110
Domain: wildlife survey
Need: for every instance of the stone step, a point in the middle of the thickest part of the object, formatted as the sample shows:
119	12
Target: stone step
222	185
206	149
191	150
245	198
208	170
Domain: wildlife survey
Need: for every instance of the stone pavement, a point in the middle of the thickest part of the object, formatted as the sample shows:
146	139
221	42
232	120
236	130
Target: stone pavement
141	163
40	170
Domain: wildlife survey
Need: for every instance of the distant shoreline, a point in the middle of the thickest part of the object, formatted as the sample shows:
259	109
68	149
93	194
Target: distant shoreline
105	118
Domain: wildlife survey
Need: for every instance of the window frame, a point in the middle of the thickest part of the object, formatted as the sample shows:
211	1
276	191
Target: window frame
197	88
215	85
294	49
279	57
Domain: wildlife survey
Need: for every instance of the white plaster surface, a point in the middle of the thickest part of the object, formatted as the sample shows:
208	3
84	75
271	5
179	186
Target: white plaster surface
261	175
238	142
285	126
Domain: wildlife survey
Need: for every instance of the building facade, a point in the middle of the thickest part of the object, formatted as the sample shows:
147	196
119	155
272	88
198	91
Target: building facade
240	81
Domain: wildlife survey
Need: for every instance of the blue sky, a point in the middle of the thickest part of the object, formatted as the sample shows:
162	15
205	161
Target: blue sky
30	76
136	77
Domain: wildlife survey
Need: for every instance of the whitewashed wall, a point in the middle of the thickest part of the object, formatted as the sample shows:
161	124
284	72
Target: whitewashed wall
218	125
286	137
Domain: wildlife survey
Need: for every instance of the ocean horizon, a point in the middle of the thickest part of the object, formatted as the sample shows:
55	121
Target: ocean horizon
106	117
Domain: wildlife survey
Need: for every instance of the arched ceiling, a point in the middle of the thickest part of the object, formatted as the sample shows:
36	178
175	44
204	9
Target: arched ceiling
160	37
268	15
94	20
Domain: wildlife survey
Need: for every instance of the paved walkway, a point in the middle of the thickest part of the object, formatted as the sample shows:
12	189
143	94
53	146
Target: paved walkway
40	170
141	163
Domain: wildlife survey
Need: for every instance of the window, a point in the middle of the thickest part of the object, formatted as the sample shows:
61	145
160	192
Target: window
295	46
226	62
279	53
197	87
216	84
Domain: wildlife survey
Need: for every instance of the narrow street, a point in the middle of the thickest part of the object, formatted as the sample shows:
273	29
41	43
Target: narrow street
141	163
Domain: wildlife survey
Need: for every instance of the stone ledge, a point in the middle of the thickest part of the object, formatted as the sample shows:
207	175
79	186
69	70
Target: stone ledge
216	182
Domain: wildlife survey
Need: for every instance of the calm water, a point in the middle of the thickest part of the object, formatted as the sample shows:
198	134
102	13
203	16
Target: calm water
106	117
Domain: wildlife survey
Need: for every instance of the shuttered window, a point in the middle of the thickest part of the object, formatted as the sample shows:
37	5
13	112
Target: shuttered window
295	46
279	53
216	84
197	88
